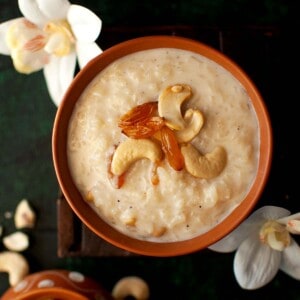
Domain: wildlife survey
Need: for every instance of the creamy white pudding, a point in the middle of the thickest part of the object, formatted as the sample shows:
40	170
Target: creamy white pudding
179	205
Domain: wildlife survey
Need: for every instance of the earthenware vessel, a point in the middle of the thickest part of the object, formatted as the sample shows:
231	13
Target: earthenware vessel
57	284
89	217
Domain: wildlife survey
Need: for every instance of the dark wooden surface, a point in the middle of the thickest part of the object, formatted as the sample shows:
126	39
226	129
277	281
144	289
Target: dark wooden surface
259	35
75	239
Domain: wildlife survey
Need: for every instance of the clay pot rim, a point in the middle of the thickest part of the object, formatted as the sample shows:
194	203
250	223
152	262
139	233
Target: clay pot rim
65	286
85	212
63	293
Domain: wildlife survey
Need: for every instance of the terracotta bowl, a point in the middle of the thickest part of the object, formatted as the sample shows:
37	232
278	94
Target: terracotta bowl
57	284
86	213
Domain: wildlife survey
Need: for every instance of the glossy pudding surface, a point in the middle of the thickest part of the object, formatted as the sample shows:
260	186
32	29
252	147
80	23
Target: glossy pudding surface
129	178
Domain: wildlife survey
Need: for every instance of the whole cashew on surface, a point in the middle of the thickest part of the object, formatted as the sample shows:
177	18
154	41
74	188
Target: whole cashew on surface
204	166
132	150
131	286
15	265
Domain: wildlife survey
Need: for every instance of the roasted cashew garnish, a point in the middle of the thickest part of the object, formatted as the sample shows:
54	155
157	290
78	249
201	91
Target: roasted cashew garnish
24	215
132	150
194	121
169	104
171	129
15	265
17	241
131	286
204	166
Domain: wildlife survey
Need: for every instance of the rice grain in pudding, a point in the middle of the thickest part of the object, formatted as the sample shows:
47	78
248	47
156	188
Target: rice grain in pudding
180	206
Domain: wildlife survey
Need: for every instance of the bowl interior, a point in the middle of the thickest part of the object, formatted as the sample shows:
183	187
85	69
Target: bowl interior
88	216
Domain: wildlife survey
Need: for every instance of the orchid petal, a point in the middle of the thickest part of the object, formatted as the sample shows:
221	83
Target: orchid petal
86	52
233	240
54	9
85	25
293	226
285	220
251	224
290	262
26	42
255	264
272	212
275	243
32	12
4	49
54	41
24	34
59	74
27	61
292	223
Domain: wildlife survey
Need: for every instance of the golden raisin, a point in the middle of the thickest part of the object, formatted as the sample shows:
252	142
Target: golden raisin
143	129
138	114
171	149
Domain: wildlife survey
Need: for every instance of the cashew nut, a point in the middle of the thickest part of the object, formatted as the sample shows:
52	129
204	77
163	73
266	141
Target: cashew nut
131	286
194	121
24	215
132	150
169	104
15	265
17	241
205	166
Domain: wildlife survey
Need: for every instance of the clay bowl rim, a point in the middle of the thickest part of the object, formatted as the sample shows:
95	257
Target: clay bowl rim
63	287
61	292
82	208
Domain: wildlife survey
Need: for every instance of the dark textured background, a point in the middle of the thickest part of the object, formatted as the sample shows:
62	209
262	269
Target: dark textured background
258	35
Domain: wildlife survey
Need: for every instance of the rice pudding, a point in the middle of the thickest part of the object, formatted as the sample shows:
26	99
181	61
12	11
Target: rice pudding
133	181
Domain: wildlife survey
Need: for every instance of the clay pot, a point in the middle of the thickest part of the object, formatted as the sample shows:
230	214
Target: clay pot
57	284
84	211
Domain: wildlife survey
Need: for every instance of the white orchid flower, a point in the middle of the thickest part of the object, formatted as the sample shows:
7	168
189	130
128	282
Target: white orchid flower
52	35
263	245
